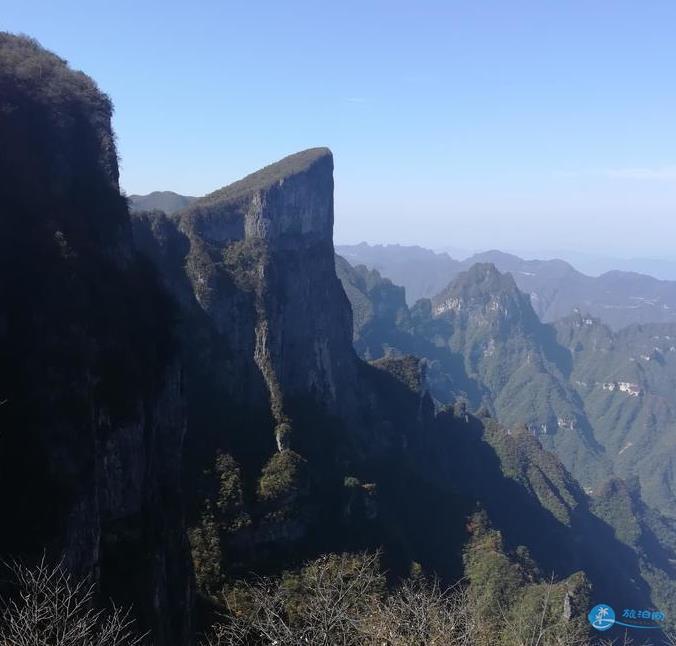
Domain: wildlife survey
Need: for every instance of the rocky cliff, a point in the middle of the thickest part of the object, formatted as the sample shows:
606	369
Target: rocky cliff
271	376
92	418
274	233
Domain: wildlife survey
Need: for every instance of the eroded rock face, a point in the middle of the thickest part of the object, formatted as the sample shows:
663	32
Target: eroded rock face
266	330
126	524
93	422
260	265
285	211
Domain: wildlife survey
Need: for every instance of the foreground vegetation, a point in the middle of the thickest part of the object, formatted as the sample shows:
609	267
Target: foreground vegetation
336	599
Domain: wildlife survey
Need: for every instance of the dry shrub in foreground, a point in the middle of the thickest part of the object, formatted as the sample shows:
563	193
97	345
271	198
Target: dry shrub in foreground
46	605
343	600
336	600
422	613
325	603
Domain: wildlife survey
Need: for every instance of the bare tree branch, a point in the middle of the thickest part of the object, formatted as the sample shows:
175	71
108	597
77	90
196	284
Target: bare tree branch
48	606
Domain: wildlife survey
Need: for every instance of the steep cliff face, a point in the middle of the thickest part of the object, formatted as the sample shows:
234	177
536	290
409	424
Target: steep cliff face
274	233
275	392
266	323
92	417
266	343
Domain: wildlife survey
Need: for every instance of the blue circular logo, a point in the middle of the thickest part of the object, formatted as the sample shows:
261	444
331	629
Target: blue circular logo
601	617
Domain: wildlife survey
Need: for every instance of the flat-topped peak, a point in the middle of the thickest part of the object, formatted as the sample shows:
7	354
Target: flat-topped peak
274	173
289	202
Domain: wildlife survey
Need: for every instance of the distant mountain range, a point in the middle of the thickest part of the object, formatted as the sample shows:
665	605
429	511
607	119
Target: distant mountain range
555	287
166	201
590	263
422	272
603	401
594	265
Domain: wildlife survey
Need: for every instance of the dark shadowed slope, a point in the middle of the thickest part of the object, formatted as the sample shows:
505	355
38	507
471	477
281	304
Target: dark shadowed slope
92	424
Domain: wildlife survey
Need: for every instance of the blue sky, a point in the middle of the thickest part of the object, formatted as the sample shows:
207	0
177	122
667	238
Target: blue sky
473	124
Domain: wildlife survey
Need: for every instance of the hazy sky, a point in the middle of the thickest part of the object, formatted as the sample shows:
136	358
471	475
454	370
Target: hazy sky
533	124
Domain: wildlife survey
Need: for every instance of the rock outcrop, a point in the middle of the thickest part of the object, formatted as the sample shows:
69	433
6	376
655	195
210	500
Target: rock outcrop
259	274
266	344
274	229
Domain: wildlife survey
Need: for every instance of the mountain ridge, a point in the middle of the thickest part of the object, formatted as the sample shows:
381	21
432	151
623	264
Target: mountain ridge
484	347
555	287
166	201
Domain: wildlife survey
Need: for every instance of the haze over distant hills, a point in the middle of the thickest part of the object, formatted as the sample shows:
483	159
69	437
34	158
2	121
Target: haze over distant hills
588	262
597	264
618	297
555	287
438	261
166	201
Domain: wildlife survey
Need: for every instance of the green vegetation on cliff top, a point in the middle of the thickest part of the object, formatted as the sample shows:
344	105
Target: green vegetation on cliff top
266	177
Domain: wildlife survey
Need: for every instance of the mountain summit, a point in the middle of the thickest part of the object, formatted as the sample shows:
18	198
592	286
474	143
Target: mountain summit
554	286
276	173
166	201
282	204
486	294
